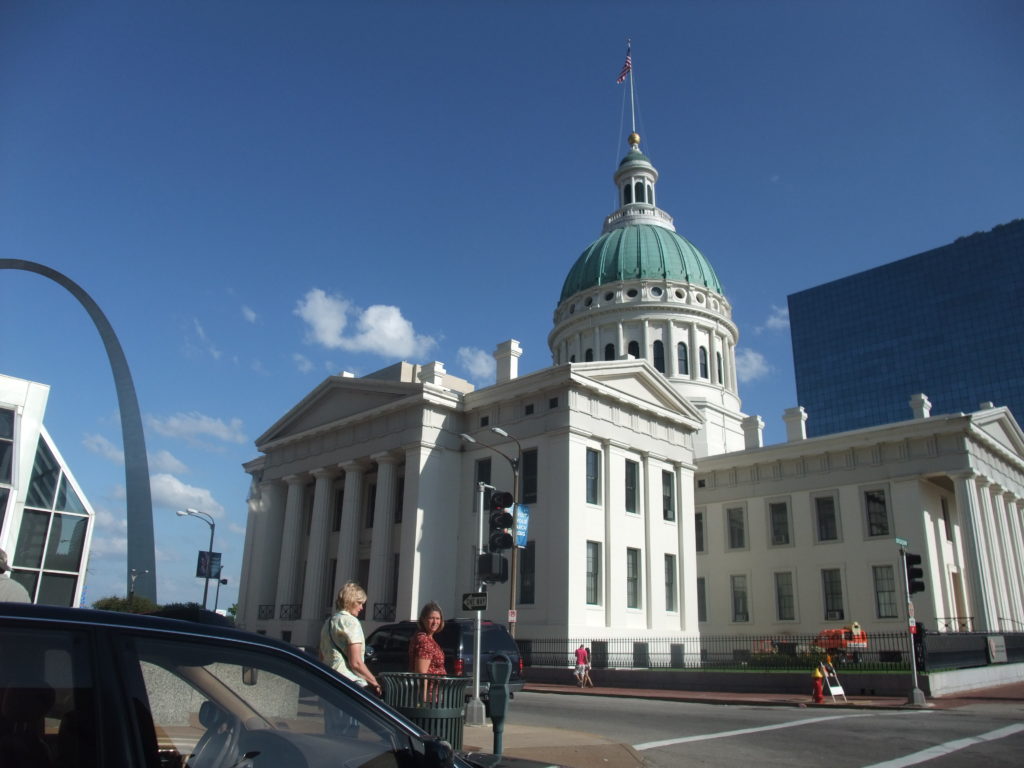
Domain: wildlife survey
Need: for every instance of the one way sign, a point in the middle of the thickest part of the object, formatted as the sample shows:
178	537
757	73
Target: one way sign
474	601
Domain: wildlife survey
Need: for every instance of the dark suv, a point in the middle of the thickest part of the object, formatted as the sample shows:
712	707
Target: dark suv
387	649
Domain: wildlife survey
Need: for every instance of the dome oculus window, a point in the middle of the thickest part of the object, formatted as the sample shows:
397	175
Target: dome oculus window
656	291
609	296
631	293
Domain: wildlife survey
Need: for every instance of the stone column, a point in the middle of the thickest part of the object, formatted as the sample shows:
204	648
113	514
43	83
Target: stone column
671	352
314	602
266	557
646	353
1012	563
979	591
691	353
379	587
348	536
606	545
988	533
646	495
713	356
1013	508
291	544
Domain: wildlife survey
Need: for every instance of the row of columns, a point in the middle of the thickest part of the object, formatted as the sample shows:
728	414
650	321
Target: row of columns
718	348
992	521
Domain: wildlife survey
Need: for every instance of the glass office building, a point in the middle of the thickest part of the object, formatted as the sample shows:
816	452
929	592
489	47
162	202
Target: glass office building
947	323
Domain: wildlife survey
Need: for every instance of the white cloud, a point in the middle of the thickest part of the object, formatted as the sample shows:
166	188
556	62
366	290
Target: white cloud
191	426
303	363
168	491
380	329
99	444
165	461
778	320
248	314
750	365
211	348
479	364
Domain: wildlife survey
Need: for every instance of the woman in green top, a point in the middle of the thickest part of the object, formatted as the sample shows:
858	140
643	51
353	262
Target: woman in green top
341	639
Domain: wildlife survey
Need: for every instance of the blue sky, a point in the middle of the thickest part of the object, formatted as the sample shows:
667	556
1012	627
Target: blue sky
260	194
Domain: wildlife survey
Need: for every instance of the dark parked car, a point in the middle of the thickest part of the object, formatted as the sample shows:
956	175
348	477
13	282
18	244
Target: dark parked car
90	688
387	649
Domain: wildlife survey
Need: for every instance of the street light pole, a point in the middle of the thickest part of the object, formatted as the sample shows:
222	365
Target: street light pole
206	518
134	574
216	595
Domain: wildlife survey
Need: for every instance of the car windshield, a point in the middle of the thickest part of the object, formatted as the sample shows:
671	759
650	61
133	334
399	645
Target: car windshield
216	706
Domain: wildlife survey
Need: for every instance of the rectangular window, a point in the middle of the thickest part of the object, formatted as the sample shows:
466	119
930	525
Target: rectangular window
736	524
885	591
698	531
739	598
947	522
778	515
826	522
593	476
527	573
785	608
702	599
593	573
632	578
632	489
877	513
529	477
670	583
668	495
832	590
400	498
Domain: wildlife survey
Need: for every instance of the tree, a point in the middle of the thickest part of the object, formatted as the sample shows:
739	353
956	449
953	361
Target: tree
138	604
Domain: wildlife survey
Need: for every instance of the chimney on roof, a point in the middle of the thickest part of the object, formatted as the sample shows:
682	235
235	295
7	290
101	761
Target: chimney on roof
507	355
796	423
987	405
921	406
433	373
753	432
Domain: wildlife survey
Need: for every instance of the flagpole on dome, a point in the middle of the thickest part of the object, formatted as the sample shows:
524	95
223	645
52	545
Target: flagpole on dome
627	71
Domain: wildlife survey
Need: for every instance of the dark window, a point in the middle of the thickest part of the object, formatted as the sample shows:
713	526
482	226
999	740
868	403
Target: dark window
572	358
740	611
718	363
784	605
885	591
703	354
683	358
633	349
553	402
659	356
593	476
698	530
632	486
529	477
609	351
670	582
485	420
946	519
639	190
627	194
778	514
371	504
45	473
878	516
702	599
632	578
483	475
529	409
832	586
593	573
737	528
339	504
527	573
827	523
588	356
400	498
668	495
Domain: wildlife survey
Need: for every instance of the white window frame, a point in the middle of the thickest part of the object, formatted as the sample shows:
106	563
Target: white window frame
834	495
771	523
744	530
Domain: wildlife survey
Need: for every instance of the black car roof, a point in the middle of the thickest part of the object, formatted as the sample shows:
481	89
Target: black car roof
116	619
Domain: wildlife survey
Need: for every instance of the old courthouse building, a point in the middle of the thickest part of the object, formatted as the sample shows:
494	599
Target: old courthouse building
655	511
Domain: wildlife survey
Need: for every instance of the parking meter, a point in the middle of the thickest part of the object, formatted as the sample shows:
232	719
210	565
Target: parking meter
500	669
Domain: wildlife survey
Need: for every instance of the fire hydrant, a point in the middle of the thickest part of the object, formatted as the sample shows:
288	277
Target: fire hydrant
818	694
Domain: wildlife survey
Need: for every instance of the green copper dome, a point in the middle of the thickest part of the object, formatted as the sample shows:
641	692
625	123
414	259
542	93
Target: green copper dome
639	252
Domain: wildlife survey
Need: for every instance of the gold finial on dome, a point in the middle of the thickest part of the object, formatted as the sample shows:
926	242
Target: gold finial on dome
634	140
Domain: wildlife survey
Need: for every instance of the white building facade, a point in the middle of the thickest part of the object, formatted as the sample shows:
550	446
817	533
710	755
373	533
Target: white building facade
46	521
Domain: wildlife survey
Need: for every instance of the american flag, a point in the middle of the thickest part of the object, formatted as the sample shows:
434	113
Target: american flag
627	67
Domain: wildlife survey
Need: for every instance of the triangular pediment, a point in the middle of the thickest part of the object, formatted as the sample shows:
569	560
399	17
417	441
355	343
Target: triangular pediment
638	380
1000	425
335	400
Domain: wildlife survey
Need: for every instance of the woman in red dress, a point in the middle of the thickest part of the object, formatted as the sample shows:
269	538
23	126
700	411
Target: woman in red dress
425	655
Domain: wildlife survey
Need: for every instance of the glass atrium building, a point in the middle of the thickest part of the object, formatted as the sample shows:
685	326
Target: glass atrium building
946	323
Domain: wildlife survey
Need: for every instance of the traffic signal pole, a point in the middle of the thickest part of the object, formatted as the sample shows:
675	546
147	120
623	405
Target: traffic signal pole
475	712
916	696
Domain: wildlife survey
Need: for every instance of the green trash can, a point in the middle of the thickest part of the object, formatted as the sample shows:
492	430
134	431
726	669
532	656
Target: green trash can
435	703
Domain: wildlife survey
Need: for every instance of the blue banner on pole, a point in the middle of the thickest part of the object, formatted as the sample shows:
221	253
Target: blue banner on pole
522	524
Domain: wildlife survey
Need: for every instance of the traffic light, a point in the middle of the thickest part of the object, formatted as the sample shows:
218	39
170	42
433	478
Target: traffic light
915	575
492	568
501	521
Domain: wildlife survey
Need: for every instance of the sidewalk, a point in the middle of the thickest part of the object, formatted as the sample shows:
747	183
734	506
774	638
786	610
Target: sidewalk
579	749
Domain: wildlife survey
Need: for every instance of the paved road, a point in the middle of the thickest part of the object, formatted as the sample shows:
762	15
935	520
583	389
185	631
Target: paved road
671	734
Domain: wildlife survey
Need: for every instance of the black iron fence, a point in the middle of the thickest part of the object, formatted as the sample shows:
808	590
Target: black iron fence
879	653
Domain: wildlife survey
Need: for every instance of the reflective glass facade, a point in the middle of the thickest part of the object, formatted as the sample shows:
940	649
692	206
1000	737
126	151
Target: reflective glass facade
946	322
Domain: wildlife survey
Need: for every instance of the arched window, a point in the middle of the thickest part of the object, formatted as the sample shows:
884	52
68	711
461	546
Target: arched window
572	358
659	356
718	361
627	194
703	363
609	351
634	349
639	191
683	359
588	356
650	194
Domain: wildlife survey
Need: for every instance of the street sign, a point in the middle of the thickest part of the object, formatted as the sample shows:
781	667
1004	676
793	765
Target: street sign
474	601
901	542
511	614
522	525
